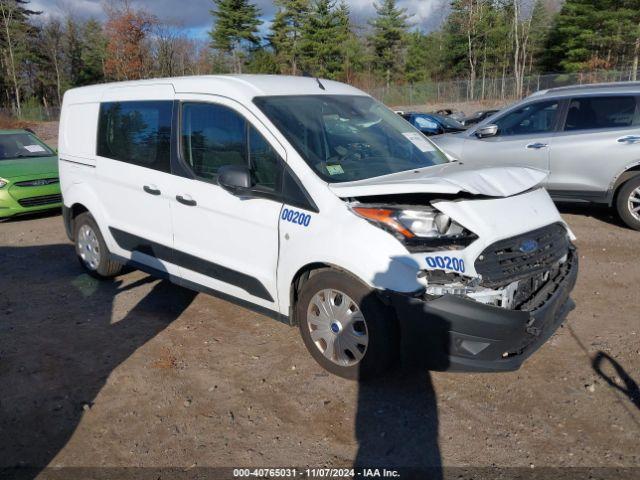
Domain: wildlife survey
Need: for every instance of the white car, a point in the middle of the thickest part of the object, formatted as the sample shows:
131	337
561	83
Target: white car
308	200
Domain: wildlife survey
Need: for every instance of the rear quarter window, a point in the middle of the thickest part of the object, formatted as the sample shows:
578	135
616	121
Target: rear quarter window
593	113
136	132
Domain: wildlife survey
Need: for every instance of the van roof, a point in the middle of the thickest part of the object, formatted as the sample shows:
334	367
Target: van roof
234	86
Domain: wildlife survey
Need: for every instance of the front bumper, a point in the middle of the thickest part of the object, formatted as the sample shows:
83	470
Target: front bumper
15	200
452	333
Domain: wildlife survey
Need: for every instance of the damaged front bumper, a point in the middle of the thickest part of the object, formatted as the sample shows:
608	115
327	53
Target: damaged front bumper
454	333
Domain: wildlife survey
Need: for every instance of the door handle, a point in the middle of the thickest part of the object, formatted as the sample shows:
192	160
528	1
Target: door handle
151	189
186	200
537	146
629	139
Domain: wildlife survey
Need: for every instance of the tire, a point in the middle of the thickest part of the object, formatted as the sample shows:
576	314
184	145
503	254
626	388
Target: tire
628	198
365	324
91	248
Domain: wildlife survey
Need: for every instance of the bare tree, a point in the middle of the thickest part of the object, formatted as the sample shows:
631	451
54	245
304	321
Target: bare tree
53	34
8	10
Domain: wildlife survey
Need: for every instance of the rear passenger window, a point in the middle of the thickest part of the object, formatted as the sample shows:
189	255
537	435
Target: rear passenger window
136	132
591	113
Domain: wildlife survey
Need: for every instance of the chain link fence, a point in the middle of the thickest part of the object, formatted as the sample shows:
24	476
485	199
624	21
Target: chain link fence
500	89
32	112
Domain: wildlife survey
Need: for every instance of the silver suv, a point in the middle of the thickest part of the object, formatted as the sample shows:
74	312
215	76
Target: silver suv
588	137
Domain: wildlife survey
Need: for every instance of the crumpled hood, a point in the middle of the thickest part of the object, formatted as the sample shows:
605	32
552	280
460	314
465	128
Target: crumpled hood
449	178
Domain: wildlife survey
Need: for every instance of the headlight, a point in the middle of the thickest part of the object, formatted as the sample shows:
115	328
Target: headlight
3	182
419	229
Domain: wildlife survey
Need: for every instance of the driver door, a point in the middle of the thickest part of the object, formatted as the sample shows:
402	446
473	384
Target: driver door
222	241
523	137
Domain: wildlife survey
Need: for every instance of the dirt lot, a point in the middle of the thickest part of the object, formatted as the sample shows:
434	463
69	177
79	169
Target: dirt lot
138	372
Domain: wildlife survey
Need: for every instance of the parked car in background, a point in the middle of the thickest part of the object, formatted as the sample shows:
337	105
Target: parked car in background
310	201
449	112
587	137
28	174
432	124
477	117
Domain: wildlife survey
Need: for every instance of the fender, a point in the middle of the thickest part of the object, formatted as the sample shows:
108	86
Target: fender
381	262
395	276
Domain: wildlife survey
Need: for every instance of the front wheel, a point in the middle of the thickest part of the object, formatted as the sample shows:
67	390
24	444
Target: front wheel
91	248
345	327
628	203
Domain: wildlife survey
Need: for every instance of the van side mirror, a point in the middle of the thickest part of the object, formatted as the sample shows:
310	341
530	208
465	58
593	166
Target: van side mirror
490	130
236	179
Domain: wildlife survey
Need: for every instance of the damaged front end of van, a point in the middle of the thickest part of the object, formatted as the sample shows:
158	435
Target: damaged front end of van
495	261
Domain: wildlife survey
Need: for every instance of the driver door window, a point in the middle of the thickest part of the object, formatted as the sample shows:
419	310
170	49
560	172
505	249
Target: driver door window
214	136
529	119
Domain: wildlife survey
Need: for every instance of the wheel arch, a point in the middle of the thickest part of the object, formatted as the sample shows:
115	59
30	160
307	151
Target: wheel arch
303	274
80	198
69	215
621	179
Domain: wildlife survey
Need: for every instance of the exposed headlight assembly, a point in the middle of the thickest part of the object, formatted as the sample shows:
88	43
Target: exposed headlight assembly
3	182
420	229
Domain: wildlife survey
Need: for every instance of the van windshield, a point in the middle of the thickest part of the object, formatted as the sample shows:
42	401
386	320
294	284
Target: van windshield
346	138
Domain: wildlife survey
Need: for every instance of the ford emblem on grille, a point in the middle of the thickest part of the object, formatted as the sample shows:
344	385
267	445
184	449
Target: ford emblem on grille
528	246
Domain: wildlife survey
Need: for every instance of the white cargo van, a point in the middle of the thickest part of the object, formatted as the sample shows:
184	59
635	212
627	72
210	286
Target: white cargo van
308	200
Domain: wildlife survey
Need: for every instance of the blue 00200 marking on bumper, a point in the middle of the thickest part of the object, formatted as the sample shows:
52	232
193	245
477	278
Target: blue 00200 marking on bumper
446	263
296	217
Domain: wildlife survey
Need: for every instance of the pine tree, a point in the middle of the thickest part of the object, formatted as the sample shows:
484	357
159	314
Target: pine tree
540	24
73	50
354	55
389	36
286	33
93	53
263	60
323	36
416	63
236	28
589	35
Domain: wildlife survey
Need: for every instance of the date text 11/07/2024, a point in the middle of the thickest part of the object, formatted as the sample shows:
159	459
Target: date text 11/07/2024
316	473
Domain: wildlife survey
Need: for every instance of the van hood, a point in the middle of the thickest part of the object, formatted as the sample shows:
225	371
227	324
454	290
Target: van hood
449	178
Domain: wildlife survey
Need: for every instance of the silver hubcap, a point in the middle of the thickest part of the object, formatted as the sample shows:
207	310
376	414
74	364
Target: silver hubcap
337	327
88	247
634	203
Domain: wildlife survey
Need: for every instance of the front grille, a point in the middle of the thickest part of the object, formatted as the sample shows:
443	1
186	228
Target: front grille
504	262
38	183
38	201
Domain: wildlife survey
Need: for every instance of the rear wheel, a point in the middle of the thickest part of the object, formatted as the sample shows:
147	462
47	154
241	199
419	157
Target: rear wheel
628	203
91	248
345	327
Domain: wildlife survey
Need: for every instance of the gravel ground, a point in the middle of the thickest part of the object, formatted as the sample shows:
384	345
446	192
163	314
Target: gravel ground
139	372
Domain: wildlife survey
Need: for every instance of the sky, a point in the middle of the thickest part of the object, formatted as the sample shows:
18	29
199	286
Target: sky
194	17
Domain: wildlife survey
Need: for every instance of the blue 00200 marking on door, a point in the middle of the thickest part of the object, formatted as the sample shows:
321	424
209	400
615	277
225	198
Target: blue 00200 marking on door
446	263
298	218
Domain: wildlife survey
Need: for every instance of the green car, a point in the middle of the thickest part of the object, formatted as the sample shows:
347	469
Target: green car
28	174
